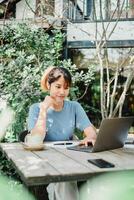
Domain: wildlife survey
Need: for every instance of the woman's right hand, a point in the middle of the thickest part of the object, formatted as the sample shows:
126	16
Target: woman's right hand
47	103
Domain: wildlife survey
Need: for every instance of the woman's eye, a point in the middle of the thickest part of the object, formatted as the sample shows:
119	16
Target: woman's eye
57	86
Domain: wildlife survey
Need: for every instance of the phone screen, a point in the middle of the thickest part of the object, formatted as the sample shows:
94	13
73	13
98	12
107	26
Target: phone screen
101	163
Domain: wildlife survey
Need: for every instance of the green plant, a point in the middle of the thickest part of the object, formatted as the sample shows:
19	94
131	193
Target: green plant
6	168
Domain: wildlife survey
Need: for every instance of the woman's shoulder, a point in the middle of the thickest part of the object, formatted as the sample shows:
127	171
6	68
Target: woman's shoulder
72	103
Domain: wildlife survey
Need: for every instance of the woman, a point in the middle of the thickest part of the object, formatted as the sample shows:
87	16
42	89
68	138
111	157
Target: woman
56	119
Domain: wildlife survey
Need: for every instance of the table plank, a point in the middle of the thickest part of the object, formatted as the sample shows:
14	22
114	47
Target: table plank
82	157
31	168
125	157
69	169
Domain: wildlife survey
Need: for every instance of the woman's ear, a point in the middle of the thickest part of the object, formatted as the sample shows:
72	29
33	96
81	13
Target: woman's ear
48	85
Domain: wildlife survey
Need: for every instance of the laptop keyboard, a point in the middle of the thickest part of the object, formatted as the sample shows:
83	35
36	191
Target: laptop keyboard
81	148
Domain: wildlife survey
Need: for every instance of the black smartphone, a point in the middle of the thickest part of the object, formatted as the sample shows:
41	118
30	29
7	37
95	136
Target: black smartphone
101	163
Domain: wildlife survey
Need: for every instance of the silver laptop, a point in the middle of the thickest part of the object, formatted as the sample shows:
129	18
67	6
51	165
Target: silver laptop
112	135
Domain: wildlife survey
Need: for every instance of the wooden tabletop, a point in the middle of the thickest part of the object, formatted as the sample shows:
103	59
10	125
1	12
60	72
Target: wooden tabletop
56	165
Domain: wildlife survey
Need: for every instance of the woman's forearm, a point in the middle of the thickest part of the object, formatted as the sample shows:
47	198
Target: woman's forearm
40	126
90	132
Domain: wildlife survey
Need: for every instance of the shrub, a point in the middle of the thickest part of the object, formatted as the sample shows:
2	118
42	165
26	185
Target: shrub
25	53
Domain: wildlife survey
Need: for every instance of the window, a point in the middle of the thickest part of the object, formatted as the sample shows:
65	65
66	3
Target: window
80	9
100	9
111	9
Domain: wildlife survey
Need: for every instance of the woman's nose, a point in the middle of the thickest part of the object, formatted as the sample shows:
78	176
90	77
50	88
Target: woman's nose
62	91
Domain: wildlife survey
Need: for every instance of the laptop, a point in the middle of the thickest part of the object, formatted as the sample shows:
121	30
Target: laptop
112	134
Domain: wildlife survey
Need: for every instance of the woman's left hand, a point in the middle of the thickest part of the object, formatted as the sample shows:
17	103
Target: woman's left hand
87	141
90	136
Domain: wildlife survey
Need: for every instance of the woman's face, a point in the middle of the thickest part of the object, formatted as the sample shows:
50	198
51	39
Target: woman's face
59	90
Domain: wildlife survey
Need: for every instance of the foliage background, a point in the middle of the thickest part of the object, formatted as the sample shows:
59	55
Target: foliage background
25	53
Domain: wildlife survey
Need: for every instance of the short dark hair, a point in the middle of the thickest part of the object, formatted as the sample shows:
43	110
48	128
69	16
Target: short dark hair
57	72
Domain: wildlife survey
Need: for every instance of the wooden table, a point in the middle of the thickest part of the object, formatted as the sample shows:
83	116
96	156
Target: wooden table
57	165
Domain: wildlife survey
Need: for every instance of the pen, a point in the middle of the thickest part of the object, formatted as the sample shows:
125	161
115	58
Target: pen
64	143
